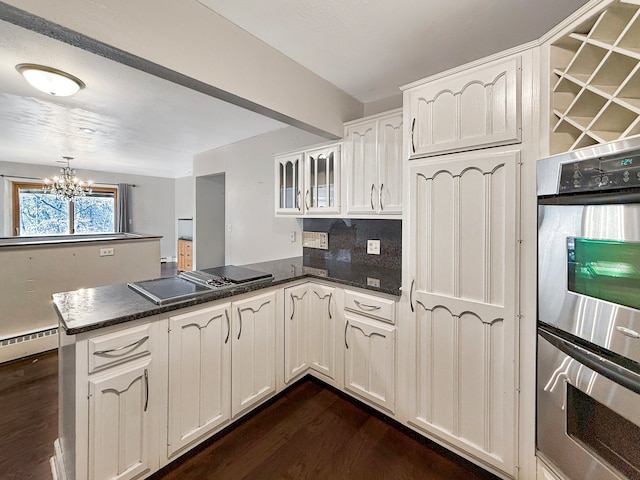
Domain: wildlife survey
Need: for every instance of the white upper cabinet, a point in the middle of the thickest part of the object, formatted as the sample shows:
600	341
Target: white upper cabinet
322	174
373	164
308	182
475	108
289	184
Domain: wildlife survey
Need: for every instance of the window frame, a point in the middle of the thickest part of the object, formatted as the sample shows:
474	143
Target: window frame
39	185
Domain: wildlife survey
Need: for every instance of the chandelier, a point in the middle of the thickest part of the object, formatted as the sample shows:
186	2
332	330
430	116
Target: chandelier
67	186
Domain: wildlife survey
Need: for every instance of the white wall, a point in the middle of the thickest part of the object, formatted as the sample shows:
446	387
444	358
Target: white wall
256	234
152	199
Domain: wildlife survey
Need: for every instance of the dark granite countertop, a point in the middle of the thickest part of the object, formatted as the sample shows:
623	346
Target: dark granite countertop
92	308
76	238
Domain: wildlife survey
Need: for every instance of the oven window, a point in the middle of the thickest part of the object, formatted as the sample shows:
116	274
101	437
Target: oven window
603	432
605	269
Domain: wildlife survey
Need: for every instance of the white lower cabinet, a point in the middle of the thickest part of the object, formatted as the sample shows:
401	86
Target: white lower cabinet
119	423
253	352
310	331
370	360
199	375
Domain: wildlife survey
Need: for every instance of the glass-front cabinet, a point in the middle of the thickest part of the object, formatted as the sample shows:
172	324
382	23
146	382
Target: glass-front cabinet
322	170
289	184
307	182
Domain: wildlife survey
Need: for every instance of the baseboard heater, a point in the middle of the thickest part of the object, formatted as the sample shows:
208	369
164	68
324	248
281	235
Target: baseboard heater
6	342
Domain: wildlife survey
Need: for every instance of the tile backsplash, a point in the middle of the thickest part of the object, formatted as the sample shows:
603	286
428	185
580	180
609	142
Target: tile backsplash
348	241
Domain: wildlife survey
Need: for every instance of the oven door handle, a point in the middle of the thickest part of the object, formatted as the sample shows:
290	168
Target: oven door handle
623	376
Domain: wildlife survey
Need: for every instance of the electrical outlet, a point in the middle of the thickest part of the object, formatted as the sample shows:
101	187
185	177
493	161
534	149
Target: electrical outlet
107	252
373	247
293	236
373	282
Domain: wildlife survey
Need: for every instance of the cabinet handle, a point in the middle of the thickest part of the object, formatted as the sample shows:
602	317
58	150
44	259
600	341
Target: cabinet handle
346	327
364	306
306	200
411	294
240	317
146	389
628	332
113	350
329	305
371	196
298	201
381	205
226	314
293	302
413	126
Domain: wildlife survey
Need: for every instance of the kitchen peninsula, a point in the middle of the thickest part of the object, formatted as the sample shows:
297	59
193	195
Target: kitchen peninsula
40	266
120	354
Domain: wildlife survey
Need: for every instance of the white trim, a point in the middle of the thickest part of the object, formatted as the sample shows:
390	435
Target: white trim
28	344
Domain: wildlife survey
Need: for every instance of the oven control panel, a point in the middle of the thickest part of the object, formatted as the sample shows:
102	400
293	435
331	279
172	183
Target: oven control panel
604	173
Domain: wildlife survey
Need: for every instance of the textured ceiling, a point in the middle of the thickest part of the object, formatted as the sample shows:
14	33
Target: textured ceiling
143	124
146	125
369	48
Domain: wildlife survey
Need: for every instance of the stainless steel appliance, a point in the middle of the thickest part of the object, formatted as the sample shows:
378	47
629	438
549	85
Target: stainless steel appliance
187	285
588	402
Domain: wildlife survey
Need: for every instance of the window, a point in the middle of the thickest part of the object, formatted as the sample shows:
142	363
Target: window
38	213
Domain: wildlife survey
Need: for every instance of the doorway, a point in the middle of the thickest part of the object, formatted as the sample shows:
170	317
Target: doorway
210	221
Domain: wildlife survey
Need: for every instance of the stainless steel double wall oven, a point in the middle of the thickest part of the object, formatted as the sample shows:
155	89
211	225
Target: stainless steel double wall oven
588	392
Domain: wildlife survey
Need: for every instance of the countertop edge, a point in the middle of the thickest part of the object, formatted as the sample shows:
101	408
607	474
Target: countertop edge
205	298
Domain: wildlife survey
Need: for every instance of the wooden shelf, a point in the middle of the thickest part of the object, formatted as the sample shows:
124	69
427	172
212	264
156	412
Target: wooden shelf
595	73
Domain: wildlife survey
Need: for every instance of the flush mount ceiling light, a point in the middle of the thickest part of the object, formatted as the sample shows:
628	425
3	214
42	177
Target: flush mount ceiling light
50	80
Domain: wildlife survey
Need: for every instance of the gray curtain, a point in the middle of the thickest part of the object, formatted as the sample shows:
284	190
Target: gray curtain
124	208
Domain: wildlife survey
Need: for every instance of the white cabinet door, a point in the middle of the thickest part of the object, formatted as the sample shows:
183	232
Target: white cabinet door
310	330
199	374
119	423
296	331
322	180
361	159
463	257
289	184
322	330
373	165
370	360
475	108
390	164
253	351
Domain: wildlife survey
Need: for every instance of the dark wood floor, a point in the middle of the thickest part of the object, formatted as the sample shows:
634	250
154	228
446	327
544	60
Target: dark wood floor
310	432
28	417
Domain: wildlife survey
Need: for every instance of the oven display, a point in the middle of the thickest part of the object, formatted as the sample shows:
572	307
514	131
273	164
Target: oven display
605	269
600	174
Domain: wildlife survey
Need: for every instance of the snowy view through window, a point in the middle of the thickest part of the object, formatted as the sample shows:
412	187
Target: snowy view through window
43	214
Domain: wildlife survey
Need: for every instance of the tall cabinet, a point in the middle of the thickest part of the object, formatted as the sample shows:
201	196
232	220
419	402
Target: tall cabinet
461	227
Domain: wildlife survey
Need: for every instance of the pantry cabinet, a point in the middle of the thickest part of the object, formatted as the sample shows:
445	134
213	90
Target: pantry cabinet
310	331
478	107
372	153
199	374
463	328
253	351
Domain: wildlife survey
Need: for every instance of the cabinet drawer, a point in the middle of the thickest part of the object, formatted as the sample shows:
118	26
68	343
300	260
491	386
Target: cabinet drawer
118	347
380	308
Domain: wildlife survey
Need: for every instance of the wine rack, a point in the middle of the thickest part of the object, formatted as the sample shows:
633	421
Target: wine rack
595	80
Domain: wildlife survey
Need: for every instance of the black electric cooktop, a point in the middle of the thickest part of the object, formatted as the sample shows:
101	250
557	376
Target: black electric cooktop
237	274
